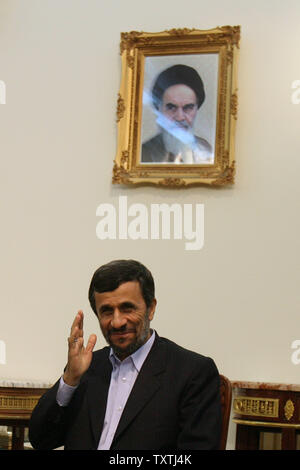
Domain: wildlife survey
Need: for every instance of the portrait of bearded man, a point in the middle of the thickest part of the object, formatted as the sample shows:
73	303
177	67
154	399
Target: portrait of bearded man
177	95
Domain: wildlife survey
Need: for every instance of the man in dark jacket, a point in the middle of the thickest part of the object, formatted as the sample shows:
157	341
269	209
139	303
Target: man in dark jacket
143	392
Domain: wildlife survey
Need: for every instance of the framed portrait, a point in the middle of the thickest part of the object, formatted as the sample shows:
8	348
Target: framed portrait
177	107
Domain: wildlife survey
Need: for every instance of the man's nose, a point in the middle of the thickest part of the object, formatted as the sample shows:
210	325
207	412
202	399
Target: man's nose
180	114
118	320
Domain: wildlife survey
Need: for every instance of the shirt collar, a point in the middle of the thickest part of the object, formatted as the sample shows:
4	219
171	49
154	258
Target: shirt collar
138	357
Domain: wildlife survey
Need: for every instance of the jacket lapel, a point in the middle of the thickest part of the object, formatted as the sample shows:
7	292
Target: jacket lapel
97	393
146	384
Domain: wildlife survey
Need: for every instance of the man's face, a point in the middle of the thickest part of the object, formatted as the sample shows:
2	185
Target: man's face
124	318
179	104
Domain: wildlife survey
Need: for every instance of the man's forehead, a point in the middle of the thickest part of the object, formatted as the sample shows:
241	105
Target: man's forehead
179	93
125	291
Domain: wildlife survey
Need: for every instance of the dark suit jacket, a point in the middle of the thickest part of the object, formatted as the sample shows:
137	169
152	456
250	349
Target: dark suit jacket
154	150
174	404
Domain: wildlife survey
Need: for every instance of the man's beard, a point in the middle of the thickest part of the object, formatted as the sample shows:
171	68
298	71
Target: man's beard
173	143
178	139
179	150
135	344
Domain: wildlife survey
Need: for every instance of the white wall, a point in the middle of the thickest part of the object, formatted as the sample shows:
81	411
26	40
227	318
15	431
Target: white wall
237	299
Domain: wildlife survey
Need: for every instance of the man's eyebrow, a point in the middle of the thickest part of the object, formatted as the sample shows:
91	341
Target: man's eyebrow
104	307
169	103
124	304
127	304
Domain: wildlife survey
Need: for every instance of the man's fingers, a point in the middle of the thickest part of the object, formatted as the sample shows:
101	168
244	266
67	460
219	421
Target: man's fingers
75	341
76	336
91	343
78	321
77	326
80	315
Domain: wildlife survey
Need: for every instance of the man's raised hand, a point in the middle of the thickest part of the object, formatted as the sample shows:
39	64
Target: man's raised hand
79	356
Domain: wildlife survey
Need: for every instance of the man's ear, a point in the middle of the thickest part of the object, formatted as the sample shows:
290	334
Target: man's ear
151	309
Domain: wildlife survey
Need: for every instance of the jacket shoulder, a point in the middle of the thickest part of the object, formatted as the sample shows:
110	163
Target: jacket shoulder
186	357
153	149
204	144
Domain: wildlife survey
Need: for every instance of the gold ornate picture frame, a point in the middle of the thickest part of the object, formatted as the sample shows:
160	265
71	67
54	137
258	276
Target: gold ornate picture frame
177	107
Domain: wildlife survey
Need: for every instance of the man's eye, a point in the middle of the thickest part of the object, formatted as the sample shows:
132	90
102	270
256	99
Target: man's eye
127	309
188	107
105	313
170	107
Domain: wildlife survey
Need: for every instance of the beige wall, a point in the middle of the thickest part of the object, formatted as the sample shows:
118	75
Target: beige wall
237	299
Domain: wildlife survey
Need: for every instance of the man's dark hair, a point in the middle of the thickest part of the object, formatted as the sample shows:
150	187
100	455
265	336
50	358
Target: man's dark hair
111	275
176	75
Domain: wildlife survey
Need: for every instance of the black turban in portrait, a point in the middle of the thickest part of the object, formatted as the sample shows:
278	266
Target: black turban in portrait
175	75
